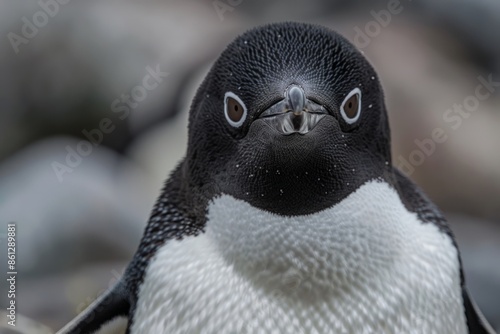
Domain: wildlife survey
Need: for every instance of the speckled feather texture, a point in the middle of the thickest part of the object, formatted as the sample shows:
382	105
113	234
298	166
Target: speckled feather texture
365	265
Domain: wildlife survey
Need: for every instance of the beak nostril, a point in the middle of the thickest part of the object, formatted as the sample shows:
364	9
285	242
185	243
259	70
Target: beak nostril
298	113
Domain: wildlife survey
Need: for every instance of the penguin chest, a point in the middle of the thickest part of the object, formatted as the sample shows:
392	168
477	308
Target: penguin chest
366	265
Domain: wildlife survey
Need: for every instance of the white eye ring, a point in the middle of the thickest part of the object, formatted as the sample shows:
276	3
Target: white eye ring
346	118
233	123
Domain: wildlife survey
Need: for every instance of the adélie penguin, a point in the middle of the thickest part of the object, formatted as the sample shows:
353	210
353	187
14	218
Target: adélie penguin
286	215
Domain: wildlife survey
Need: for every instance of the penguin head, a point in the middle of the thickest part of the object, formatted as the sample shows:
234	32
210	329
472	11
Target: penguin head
291	119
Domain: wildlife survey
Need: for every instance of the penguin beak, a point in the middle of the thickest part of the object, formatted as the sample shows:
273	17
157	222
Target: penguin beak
294	114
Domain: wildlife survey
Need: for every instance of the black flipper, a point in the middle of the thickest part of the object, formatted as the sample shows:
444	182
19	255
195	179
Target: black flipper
475	319
111	304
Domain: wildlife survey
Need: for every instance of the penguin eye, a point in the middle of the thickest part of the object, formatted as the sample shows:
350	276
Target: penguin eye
234	109
351	107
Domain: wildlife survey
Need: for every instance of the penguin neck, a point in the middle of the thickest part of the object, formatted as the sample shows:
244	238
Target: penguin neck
359	239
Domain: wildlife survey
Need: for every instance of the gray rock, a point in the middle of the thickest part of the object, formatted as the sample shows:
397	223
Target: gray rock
96	213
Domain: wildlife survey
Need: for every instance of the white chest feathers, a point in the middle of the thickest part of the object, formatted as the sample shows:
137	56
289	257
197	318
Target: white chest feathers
366	265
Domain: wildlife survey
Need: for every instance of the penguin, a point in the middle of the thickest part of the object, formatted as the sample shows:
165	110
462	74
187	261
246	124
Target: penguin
286	214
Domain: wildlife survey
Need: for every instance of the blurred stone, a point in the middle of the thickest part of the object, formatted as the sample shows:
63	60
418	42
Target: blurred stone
67	77
24	325
161	148
69	293
96	213
462	173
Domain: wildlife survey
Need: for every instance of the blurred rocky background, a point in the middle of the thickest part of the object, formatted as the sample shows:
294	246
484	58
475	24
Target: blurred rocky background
76	71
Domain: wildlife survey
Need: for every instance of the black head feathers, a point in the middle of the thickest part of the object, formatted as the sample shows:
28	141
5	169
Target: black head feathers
287	172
